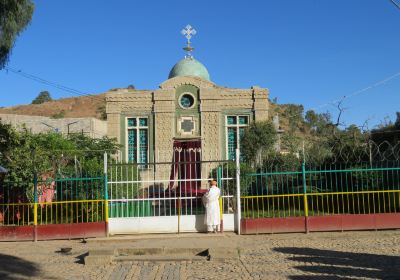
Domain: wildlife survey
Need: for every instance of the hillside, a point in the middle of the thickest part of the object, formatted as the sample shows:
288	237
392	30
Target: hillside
76	107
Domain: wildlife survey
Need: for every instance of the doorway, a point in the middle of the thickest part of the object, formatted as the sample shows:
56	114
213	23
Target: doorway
186	167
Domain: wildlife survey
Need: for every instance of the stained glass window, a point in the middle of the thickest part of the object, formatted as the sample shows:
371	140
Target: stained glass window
143	122
232	142
243	120
231	120
235	130
186	101
132	145
132	122
138	140
143	145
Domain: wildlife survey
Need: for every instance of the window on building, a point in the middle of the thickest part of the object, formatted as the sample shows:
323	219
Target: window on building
138	139
235	129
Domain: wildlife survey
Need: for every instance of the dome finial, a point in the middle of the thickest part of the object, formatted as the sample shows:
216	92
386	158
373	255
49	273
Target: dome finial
188	32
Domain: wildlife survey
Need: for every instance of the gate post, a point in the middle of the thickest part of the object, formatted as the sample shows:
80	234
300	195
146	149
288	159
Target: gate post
35	206
238	208
106	193
305	201
221	209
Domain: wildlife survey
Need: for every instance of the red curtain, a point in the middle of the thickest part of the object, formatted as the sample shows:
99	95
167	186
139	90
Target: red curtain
186	167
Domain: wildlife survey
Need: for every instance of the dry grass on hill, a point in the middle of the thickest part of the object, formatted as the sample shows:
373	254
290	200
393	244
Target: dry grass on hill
75	107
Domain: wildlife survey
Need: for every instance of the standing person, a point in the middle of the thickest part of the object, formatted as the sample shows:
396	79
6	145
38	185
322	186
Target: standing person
211	203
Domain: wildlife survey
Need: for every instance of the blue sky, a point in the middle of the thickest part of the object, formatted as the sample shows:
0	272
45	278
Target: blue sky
309	52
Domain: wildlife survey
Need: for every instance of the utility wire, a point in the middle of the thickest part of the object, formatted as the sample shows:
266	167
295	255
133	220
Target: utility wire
355	93
69	90
396	4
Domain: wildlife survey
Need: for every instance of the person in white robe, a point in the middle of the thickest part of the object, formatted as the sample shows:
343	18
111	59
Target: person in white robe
211	202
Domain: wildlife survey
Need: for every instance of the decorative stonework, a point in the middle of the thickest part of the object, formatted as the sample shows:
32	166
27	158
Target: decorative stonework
187	126
136	106
214	102
164	134
210	128
189	80
164	95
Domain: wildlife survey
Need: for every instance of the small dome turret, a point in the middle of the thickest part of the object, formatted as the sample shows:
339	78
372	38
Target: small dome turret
189	67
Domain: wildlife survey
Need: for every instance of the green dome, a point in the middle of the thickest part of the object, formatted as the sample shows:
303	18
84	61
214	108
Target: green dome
189	67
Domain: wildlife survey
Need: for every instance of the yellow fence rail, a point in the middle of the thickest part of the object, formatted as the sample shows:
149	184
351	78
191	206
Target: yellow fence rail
58	212
17	214
65	212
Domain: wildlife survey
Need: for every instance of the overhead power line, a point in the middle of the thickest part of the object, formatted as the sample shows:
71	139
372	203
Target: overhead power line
71	91
396	4
354	93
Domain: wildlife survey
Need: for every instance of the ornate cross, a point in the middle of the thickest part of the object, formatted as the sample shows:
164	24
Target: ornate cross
188	32
187	126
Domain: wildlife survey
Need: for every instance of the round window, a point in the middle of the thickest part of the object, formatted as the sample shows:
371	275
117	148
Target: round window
186	101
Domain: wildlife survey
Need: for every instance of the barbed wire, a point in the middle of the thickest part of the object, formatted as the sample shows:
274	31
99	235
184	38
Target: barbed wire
317	154
350	152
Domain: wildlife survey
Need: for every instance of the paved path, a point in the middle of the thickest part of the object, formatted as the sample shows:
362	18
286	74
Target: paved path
351	255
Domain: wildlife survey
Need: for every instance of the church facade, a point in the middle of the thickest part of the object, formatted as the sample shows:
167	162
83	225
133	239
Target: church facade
187	111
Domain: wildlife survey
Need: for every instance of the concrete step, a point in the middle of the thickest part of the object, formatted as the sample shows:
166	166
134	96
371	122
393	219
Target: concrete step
165	236
160	258
104	255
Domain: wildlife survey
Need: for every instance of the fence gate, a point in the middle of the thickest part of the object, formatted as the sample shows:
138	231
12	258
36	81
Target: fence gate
165	197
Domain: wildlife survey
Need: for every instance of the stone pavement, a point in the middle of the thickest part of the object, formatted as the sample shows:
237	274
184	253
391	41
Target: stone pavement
349	255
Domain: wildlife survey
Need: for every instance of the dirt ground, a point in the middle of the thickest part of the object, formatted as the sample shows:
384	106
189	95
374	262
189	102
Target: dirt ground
349	255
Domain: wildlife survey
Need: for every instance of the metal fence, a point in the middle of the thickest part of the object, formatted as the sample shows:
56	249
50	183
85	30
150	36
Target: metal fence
362	188
166	188
52	201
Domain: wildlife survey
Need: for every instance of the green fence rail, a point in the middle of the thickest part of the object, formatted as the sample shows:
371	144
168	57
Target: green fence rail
323	190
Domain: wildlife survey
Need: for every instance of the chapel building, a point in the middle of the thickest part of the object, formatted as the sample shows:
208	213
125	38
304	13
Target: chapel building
187	111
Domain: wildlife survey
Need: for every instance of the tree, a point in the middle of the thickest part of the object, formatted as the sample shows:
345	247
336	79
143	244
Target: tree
318	122
257	141
44	96
294	113
24	154
15	15
311	118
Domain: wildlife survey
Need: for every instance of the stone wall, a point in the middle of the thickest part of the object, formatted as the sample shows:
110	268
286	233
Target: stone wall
36	124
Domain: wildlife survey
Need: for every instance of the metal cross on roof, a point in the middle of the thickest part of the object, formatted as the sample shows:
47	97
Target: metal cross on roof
188	32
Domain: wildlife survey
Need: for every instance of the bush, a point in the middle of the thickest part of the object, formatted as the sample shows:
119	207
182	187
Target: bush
44	96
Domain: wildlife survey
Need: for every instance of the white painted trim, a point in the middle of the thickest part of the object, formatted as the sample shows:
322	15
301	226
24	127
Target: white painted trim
236	126
164	224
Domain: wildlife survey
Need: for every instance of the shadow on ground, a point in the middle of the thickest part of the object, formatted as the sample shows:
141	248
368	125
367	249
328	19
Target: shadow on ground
81	258
16	268
331	264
